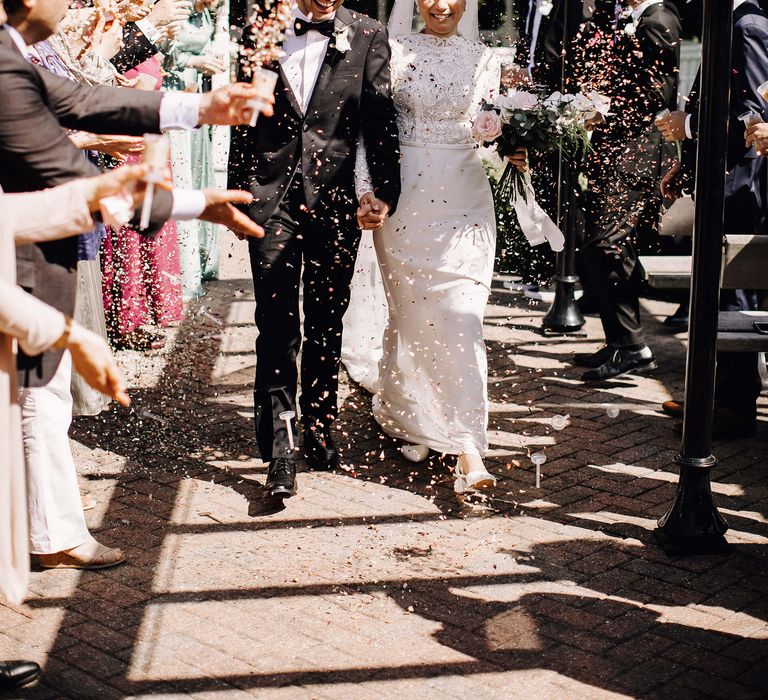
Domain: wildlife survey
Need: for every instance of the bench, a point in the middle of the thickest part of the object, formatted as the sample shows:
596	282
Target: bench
745	266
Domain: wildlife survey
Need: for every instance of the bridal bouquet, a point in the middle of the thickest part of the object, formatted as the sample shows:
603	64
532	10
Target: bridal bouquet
542	123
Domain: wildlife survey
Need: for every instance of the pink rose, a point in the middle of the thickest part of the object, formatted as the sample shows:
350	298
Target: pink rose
487	126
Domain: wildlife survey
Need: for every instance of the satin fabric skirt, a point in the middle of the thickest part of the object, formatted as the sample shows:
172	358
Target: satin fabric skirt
436	257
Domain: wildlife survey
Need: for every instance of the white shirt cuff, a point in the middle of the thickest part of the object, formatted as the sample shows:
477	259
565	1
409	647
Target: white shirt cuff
149	30
688	132
179	110
187	204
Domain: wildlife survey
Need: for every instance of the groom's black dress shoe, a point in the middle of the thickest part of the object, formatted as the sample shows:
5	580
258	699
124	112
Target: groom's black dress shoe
281	479
595	359
14	674
622	361
319	449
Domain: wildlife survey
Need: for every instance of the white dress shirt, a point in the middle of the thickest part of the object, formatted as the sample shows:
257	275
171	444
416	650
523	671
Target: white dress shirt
178	110
533	25
304	56
637	12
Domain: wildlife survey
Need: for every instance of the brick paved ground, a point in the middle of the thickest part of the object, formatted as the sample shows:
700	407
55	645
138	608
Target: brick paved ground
376	581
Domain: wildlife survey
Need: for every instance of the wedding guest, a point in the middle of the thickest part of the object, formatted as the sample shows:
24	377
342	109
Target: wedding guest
737	384
142	293
638	66
190	59
35	326
35	153
150	24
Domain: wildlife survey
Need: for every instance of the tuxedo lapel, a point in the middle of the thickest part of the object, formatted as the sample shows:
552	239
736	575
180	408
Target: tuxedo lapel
333	56
277	66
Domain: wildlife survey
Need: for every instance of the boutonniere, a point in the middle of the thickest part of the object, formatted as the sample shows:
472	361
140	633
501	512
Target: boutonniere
341	40
546	7
630	24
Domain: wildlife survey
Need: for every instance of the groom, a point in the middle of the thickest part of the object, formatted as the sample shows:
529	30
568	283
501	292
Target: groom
334	87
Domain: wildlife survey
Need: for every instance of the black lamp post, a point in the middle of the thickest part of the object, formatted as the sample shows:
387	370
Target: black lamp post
693	523
564	316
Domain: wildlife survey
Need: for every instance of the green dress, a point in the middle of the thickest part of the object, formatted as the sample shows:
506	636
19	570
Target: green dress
191	153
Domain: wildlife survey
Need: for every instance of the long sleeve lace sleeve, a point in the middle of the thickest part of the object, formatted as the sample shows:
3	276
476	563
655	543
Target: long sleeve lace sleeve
363	180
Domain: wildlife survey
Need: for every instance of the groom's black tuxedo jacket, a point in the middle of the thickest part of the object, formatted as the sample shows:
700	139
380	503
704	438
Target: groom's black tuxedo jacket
352	95
746	187
35	153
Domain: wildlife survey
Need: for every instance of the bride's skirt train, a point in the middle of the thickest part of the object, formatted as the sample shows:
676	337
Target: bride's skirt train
436	257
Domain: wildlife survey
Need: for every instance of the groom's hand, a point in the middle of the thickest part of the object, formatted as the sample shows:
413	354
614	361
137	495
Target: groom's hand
219	210
372	212
231	105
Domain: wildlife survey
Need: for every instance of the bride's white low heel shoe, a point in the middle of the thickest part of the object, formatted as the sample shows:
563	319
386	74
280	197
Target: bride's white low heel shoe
474	477
415	453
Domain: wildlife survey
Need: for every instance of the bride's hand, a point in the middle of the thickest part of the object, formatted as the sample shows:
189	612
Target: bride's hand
372	212
519	159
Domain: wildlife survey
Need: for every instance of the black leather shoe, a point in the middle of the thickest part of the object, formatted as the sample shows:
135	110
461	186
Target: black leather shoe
622	361
319	449
679	319
14	674
281	479
595	359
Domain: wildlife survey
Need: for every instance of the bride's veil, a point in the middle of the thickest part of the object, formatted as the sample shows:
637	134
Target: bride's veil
401	19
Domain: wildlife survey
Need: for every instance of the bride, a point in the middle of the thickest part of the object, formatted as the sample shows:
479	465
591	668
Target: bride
436	253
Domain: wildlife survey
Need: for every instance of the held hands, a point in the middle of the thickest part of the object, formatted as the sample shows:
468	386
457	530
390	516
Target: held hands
230	105
94	362
519	159
372	212
757	136
219	209
672	127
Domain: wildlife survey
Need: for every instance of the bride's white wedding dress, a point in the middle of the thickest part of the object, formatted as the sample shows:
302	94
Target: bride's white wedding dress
436	255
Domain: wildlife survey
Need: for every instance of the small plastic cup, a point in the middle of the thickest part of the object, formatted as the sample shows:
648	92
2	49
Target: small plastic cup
763	91
661	115
560	422
157	151
750	118
145	82
612	411
288	416
264	81
538	458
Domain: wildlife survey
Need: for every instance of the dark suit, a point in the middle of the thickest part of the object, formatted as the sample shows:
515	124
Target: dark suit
300	169
746	190
36	153
626	164
548	52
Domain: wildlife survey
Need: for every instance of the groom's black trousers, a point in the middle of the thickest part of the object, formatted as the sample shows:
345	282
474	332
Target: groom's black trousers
317	249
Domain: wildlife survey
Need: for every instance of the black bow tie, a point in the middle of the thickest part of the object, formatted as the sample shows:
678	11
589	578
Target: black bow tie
326	28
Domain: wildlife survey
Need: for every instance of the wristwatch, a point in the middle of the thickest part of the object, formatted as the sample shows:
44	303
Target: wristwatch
63	340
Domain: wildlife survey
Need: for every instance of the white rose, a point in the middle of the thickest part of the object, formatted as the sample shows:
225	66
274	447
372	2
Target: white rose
487	126
518	99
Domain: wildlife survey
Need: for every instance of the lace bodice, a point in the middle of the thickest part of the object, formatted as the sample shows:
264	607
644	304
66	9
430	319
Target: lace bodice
438	85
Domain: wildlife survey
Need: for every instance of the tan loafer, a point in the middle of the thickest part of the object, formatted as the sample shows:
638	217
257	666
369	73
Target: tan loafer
89	556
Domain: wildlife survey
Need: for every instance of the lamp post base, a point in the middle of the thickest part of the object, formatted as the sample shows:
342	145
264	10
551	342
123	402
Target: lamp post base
564	317
693	525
